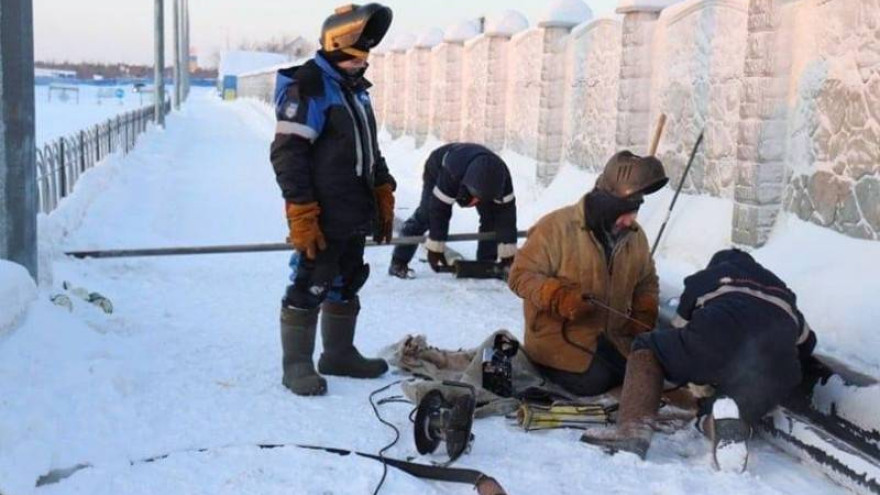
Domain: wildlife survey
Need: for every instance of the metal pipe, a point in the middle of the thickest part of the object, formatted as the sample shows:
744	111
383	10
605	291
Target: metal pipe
259	248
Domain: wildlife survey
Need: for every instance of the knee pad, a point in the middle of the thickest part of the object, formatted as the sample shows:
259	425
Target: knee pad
301	297
347	288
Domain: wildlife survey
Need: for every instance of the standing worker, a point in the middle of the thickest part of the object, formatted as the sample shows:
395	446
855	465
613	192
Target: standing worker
337	189
471	175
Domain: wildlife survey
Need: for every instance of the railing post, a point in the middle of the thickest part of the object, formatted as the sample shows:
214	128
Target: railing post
82	151
62	176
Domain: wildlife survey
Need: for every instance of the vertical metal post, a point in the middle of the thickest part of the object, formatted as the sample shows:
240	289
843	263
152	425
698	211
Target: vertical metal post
159	65
18	183
184	49
62	169
176	74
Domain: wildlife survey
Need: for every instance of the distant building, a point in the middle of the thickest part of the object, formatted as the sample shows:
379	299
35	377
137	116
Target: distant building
43	73
298	48
236	62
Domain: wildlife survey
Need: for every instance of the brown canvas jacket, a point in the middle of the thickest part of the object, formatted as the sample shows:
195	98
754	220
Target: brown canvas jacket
561	246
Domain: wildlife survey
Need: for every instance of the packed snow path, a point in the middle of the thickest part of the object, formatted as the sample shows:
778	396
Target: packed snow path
190	359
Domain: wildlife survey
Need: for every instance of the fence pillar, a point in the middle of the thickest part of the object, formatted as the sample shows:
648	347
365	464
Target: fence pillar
761	143
634	90
551	111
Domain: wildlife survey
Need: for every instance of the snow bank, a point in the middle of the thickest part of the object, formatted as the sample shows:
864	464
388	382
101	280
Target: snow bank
858	405
566	13
17	290
461	32
506	23
430	38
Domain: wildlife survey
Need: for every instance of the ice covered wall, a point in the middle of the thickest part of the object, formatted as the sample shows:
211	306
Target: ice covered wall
524	91
483	111
418	85
834	122
788	92
376	75
551	113
698	52
634	86
485	80
396	82
593	62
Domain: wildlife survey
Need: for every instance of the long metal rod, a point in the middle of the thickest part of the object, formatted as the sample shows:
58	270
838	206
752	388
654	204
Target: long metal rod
260	248
677	192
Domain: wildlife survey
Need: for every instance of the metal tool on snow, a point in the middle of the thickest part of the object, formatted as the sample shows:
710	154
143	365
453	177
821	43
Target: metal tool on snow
441	419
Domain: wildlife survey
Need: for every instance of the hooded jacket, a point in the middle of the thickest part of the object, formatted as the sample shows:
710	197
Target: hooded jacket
457	172
562	247
325	147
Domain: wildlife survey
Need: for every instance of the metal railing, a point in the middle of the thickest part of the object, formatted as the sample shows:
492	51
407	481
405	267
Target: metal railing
61	162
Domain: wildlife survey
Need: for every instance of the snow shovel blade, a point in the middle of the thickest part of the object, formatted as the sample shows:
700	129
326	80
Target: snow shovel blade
480	269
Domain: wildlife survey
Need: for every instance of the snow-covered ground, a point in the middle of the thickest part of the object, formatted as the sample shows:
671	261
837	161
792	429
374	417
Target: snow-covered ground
190	358
62	116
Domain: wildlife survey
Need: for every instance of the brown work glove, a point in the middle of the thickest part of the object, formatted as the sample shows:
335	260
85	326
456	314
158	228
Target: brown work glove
565	299
305	233
385	218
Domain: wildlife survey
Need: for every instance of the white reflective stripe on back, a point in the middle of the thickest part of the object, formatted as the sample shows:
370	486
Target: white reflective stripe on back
297	129
728	289
442	196
506	199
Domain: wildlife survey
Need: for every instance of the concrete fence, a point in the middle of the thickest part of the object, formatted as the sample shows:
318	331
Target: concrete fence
786	91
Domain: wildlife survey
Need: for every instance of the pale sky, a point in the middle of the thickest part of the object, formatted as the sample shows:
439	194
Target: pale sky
122	30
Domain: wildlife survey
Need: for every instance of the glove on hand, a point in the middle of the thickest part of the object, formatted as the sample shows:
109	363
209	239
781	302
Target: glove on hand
565	299
438	262
305	233
385	206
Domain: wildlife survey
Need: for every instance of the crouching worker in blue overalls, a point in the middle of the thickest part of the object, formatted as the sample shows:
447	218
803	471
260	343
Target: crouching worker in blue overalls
337	189
472	176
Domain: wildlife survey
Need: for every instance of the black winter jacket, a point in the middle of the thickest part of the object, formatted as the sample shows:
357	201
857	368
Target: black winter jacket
739	328
458	172
325	146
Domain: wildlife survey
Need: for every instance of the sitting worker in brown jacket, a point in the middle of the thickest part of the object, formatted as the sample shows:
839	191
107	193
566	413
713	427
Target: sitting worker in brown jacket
578	261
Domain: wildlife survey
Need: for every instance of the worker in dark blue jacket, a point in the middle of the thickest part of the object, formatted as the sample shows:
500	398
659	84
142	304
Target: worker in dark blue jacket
337	190
737	330
471	175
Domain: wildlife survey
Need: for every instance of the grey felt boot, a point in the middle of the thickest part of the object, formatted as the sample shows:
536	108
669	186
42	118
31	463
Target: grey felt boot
340	357
639	402
298	327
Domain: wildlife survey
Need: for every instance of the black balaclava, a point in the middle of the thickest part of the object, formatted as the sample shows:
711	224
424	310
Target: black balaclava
601	210
337	56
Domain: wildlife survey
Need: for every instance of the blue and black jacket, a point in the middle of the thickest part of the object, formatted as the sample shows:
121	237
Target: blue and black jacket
457	172
325	146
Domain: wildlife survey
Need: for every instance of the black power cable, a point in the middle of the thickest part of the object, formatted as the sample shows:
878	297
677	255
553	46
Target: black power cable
382	420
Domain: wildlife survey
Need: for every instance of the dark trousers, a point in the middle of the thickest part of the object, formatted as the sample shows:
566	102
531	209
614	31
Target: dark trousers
605	372
336	274
419	223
